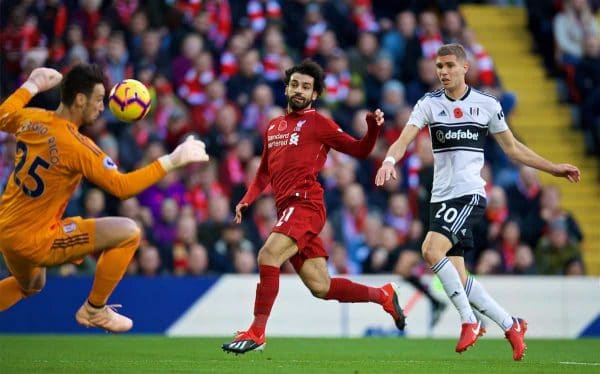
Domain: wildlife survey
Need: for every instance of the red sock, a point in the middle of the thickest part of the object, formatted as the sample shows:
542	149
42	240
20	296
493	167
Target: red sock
266	292
346	291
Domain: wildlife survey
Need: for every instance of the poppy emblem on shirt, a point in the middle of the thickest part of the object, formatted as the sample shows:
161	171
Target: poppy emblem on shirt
282	125
458	113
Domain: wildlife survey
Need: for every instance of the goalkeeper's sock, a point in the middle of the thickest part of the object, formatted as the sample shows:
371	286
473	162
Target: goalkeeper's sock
346	291
486	305
448	274
10	293
266	292
111	267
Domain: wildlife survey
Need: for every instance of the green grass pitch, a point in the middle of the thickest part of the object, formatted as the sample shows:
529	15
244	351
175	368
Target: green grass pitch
157	354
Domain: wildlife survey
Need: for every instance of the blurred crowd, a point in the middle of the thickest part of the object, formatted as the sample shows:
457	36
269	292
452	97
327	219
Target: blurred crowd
215	69
567	36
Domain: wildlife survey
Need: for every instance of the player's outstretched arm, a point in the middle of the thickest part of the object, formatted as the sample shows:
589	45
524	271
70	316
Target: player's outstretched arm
395	153
519	152
333	136
99	169
40	79
191	150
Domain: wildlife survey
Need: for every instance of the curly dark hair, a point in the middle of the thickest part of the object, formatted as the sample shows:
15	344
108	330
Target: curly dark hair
311	68
81	79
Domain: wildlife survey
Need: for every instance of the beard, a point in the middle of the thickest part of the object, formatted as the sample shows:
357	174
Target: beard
297	106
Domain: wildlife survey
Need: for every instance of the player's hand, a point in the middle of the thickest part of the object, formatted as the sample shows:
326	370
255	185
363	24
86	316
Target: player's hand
239	209
43	79
191	150
568	171
376	117
385	172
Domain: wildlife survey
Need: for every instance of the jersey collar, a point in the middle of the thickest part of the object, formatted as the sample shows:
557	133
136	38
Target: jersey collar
301	112
463	96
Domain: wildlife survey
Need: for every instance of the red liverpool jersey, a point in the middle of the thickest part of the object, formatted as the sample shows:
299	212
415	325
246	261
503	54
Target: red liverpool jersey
295	149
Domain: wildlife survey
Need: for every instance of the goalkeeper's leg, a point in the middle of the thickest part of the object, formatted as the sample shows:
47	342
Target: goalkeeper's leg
26	280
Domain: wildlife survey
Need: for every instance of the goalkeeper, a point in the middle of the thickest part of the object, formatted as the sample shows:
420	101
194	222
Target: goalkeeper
51	158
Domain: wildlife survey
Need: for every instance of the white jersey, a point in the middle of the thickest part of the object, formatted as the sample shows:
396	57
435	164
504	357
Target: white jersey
458	129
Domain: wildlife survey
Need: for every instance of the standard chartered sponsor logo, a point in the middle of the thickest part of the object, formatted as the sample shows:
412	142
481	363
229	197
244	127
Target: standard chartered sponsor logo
442	136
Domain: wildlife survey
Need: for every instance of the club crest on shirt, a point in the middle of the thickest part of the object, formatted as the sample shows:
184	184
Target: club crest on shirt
299	125
69	228
458	113
282	125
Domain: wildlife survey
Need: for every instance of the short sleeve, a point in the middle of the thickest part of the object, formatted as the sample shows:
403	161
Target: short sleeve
497	122
418	116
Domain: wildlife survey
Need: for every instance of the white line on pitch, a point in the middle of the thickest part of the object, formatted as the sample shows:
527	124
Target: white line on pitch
580	363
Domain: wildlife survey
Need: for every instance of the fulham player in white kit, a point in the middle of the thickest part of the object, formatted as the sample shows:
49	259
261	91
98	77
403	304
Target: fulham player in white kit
459	117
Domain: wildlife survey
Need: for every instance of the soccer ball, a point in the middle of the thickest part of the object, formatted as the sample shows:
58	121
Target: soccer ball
129	100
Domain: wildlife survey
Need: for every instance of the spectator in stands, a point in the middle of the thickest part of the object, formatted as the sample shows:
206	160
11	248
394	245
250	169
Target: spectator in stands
339	262
94	204
524	195
550	210
379	73
556	254
570	29
148	259
587	79
226	257
364	54
256	113
426	81
452	26
241	84
524	261
197	260
392	98
430	35
384	257
191	47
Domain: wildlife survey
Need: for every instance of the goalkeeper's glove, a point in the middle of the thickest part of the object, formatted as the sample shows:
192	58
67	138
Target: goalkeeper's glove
191	150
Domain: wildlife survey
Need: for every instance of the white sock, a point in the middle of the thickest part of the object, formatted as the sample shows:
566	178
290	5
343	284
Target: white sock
454	289
483	302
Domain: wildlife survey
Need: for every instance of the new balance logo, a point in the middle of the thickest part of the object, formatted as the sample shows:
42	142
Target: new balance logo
294	138
442	113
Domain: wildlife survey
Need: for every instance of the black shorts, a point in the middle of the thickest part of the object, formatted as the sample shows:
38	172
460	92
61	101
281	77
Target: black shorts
455	218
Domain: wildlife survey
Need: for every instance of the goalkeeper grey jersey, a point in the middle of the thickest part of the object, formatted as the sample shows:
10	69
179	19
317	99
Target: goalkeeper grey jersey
458	129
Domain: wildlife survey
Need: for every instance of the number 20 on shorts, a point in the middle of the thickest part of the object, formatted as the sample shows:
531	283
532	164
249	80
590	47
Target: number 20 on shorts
450	214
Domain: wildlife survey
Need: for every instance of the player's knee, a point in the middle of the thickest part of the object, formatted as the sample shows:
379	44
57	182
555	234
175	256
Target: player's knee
431	254
267	255
131	229
319	289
